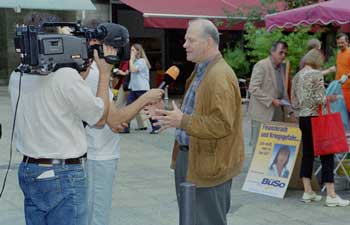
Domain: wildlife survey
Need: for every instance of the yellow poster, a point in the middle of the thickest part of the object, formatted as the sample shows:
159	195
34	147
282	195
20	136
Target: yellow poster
274	159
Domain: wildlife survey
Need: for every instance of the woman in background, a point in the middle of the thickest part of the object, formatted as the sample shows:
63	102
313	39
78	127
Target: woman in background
308	92
139	67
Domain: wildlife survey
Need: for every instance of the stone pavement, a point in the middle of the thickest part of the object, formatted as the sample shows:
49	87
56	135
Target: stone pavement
144	187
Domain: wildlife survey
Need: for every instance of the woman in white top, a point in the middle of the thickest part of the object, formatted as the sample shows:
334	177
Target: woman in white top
139	78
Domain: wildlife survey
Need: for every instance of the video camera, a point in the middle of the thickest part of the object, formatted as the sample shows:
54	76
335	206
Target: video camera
42	52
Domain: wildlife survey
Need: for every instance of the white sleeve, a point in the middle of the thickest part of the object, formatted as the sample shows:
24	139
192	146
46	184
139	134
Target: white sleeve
84	103
13	89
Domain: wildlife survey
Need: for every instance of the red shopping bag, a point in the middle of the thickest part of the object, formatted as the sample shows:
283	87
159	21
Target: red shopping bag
328	133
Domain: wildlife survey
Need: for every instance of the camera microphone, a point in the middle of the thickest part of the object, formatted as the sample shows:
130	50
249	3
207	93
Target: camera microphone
170	76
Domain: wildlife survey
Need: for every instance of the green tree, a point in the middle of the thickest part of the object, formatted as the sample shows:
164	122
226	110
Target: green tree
258	41
257	46
331	61
237	59
291	4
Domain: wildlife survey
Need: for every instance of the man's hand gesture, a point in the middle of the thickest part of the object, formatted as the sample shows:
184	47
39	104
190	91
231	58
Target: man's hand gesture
167	119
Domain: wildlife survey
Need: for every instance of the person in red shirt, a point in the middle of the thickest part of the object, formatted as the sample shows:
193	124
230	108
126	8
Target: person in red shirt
121	79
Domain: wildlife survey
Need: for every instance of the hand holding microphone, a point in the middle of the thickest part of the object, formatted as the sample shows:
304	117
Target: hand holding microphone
170	76
153	96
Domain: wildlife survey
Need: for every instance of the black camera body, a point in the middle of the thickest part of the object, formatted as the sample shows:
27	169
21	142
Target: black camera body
42	53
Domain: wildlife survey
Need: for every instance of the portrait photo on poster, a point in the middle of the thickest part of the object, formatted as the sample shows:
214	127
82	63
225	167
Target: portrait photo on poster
281	161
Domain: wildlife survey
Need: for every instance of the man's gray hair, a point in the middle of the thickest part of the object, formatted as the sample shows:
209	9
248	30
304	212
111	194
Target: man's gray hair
208	29
313	43
276	43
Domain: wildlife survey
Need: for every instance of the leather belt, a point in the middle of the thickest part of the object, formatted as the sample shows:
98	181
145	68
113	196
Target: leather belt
184	148
27	159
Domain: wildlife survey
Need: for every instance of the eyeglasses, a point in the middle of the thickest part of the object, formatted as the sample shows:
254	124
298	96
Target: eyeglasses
283	53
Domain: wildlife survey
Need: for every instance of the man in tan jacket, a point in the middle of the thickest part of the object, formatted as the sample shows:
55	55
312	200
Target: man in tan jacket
209	126
269	99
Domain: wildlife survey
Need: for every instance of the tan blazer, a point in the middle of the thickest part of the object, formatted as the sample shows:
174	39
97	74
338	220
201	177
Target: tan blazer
263	89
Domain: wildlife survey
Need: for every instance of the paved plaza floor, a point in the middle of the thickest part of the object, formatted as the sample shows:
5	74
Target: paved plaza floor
144	191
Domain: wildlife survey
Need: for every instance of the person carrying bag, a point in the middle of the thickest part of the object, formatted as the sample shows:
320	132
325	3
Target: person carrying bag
308	92
328	133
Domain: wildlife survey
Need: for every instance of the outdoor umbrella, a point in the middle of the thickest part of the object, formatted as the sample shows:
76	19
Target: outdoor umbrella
324	13
176	14
47	4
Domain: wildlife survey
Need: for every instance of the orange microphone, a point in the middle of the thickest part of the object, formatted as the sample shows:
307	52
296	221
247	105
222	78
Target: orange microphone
170	76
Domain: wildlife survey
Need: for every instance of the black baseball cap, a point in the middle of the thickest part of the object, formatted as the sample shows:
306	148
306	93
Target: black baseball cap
117	35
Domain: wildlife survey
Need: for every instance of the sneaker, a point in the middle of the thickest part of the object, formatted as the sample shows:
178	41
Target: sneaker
142	128
154	132
125	131
311	197
337	201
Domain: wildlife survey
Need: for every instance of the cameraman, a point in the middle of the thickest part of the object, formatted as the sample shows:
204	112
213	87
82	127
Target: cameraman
50	135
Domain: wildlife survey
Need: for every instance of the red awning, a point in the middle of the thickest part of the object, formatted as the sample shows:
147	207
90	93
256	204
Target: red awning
176	14
330	12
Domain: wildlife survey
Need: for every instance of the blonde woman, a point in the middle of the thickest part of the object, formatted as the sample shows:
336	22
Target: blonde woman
308	93
139	67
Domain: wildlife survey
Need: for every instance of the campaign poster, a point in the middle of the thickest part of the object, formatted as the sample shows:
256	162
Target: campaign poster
274	159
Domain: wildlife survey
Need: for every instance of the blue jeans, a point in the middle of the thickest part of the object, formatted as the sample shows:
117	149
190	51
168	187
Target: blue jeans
101	174
55	199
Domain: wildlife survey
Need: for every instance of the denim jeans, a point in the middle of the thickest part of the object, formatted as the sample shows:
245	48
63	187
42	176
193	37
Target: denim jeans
101	174
55	199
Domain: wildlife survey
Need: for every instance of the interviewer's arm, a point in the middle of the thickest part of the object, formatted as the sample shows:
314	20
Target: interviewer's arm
123	73
117	116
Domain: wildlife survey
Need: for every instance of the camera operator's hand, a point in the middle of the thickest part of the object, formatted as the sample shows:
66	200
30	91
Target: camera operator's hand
103	67
105	71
